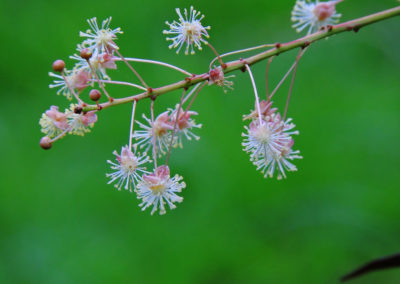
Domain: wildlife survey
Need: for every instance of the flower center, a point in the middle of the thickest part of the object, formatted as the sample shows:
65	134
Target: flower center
191	31
105	36
158	189
129	165
262	134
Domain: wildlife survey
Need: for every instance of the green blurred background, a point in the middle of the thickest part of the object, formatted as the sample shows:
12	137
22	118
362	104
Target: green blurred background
61	223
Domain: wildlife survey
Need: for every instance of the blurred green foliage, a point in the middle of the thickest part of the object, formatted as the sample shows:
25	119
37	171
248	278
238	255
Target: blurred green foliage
61	223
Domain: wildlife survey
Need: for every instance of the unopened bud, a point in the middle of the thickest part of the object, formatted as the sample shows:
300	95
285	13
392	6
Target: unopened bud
86	53
94	95
45	143
58	65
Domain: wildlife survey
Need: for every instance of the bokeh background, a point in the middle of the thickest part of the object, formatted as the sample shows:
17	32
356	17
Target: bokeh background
61	223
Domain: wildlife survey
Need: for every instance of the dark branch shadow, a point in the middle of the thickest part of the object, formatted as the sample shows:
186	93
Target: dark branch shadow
387	262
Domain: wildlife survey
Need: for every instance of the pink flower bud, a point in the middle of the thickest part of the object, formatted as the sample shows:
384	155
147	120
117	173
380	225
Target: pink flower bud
89	118
45	143
58	65
324	10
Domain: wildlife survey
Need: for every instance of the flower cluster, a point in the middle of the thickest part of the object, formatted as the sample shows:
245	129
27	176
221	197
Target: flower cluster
163	128
55	123
96	55
313	16
152	188
268	140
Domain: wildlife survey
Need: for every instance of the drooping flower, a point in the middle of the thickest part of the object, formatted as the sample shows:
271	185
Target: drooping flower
188	30
218	78
100	40
80	123
128	168
314	15
53	122
76	79
265	109
269	144
279	161
162	128
158	188
185	125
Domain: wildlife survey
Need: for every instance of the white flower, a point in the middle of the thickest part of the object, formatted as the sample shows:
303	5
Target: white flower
128	169
184	125
100	39
53	122
162	132
75	79
99	62
278	161
79	123
159	188
314	15
188	30
269	144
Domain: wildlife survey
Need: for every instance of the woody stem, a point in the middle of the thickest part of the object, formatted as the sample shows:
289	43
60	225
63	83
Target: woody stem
353	25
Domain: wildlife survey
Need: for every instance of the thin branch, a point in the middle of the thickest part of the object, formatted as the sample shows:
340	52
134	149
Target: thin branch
175	125
190	93
132	123
353	25
71	89
255	93
120	83
296	64
153	134
194	97
99	81
266	76
156	63
240	51
223	65
286	75
132	69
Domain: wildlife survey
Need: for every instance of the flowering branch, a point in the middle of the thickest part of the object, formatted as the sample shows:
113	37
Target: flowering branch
268	138
353	25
